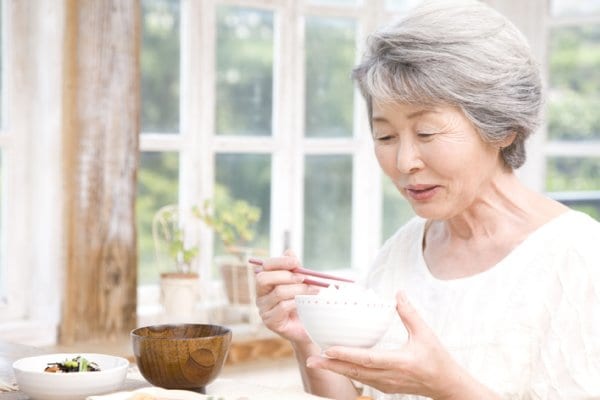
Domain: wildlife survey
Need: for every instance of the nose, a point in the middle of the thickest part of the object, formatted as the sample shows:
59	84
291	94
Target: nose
408	159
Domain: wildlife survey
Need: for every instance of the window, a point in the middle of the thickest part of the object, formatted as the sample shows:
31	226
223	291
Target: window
573	147
254	99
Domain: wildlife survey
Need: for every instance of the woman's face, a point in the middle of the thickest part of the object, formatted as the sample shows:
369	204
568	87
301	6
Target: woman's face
434	156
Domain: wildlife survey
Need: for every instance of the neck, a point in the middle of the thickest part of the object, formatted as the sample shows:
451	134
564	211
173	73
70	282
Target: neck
504	204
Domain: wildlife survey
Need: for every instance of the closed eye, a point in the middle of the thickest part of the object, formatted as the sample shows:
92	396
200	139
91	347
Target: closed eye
426	135
383	136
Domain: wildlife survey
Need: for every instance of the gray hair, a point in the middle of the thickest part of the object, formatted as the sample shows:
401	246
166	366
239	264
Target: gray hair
461	54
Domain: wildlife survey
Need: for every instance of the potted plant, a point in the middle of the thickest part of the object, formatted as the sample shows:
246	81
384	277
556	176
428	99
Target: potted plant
179	281
233	221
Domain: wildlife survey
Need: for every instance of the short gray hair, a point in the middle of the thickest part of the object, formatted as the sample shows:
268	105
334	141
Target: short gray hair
461	54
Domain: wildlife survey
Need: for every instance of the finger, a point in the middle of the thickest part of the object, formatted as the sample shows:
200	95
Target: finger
348	369
266	281
284	292
284	262
411	319
366	357
279	314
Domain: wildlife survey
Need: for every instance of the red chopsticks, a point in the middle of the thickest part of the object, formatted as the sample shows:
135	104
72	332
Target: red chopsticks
305	271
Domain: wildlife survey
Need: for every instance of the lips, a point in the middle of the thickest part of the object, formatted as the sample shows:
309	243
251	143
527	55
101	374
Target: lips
421	192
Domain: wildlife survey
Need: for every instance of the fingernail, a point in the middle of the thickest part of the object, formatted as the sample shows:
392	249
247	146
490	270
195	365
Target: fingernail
299	278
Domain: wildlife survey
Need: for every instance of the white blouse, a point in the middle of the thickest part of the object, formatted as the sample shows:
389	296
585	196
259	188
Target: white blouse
528	328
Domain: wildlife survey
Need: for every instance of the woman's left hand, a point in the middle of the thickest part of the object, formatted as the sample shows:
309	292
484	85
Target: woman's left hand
421	366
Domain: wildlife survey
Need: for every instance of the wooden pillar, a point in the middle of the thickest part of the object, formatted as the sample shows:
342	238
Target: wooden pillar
101	114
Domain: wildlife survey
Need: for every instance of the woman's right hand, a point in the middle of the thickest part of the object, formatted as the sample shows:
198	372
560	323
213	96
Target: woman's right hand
276	287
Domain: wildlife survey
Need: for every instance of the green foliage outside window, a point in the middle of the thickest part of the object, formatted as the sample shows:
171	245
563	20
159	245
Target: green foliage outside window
157	186
160	66
328	211
574	101
330	56
244	71
574	98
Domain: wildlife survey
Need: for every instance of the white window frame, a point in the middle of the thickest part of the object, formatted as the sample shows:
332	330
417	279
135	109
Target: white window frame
287	146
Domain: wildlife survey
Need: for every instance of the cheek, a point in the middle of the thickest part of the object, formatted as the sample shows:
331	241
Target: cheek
386	157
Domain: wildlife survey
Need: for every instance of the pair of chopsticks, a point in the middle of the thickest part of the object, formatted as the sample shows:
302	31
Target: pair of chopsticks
306	271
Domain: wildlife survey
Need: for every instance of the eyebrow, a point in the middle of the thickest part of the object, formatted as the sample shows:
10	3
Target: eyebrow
409	116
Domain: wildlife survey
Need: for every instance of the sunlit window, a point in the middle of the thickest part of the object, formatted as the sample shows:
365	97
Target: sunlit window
158	174
573	163
244	68
254	102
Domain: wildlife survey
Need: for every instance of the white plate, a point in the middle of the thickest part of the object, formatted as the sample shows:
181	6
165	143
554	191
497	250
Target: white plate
221	389
157	393
40	385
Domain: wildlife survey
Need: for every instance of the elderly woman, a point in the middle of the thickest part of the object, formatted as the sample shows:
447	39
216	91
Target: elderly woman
497	286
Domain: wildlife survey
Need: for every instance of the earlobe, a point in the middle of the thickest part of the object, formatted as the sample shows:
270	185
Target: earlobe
507	141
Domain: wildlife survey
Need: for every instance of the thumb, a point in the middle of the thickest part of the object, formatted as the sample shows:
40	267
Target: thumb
412	321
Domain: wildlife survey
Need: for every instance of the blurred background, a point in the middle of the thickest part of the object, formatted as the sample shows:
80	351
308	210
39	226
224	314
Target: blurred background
239	101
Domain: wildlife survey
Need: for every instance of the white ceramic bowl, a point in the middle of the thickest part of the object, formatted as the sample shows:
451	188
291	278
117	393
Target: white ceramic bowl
352	322
40	385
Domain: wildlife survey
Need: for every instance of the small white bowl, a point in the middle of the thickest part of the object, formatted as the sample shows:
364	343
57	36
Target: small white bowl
359	322
40	385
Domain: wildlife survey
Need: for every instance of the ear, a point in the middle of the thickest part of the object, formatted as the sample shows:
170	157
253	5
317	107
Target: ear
507	141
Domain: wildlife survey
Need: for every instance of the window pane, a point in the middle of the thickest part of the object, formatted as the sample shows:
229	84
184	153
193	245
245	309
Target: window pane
575	7
160	66
244	71
330	56
327	211
246	177
573	174
574	96
580	175
157	186
396	209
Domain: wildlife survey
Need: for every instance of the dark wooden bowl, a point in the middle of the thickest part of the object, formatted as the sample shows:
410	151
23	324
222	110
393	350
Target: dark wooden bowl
182	356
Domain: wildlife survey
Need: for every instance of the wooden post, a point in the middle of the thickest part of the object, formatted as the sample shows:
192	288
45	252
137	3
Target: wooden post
101	111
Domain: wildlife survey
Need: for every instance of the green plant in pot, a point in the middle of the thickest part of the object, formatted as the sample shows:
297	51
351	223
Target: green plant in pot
233	221
175	256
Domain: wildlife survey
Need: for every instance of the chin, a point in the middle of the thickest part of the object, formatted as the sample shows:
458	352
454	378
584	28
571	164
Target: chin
429	212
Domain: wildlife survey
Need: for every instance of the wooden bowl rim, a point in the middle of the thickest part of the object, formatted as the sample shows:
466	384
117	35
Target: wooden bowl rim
225	331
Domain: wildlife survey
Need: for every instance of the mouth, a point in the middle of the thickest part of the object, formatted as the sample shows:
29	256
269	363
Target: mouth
421	192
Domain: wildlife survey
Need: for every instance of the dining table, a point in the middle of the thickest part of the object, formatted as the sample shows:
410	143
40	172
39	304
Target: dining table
225	388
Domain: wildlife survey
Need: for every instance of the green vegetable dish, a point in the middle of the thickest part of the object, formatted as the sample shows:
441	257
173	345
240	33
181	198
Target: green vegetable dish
77	364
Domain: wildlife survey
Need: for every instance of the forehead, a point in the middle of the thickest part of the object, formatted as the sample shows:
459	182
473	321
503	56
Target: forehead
387	111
